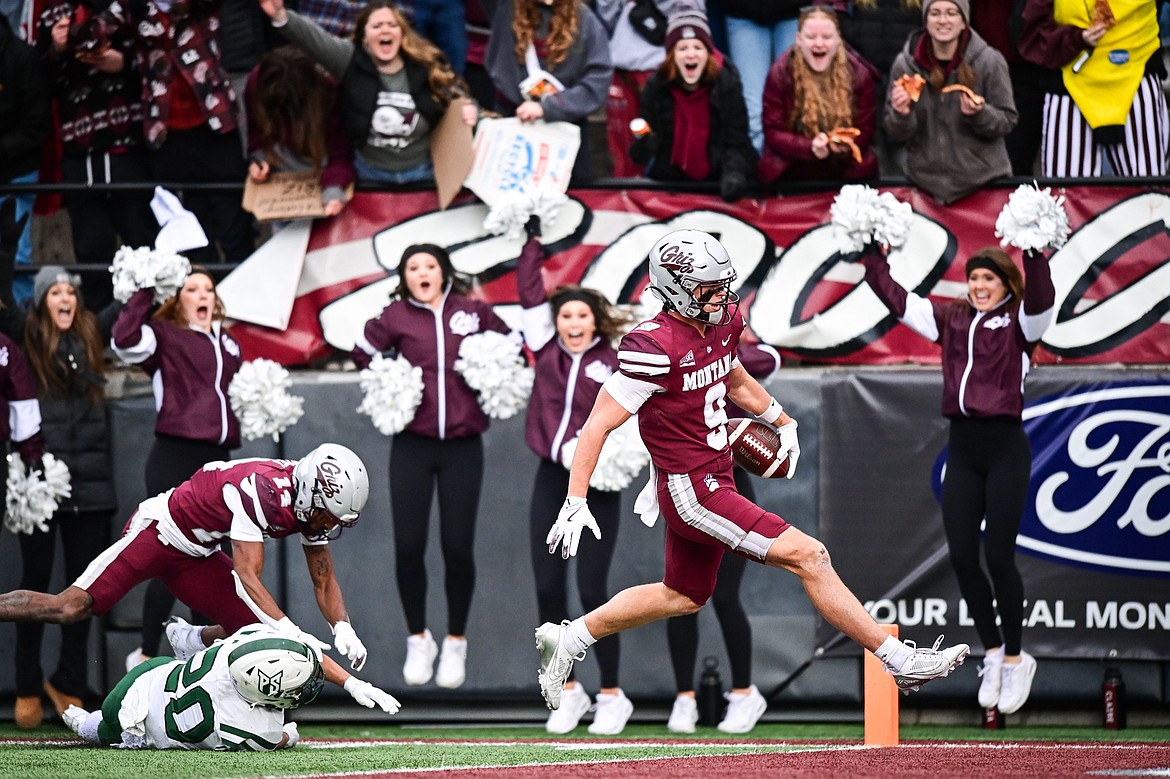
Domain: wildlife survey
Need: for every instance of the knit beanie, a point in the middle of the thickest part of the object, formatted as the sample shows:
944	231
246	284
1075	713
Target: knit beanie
48	276
964	8
688	21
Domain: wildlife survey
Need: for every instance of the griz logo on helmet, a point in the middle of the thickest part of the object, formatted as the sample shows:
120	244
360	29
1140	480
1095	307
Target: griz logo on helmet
678	259
327	473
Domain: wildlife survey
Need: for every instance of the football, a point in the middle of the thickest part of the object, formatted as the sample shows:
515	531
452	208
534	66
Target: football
754	445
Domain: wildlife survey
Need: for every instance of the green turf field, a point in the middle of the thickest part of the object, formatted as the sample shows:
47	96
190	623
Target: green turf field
49	752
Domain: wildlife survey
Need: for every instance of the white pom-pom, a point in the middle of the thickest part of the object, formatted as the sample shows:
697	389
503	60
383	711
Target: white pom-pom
1033	219
492	365
34	496
623	456
144	268
391	392
511	211
860	214
260	400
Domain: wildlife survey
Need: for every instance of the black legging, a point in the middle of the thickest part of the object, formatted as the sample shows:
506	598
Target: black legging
593	558
682	633
171	462
456	467
83	536
989	462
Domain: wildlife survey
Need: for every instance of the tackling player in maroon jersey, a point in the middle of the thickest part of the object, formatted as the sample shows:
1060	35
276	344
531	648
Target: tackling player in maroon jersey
677	371
175	537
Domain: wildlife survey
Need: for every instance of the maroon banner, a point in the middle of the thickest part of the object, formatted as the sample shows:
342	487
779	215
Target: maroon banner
1112	277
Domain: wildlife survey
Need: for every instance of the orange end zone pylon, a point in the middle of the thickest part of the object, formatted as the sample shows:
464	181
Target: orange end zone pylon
881	700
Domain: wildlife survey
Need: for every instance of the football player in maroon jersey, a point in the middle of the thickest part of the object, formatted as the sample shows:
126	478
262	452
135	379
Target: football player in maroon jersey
677	371
175	537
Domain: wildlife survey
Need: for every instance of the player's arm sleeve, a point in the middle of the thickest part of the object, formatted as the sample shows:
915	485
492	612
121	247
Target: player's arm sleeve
643	369
245	526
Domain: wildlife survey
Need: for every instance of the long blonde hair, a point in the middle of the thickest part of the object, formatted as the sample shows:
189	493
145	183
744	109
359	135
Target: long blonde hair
816	110
562	29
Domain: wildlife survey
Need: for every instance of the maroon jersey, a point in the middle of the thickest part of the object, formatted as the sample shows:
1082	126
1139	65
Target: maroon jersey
684	423
20	412
249	499
430	340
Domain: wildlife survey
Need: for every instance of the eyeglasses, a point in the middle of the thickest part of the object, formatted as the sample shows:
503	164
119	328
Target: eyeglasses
825	9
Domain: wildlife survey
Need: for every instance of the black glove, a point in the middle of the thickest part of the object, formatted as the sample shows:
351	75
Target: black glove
732	186
532	226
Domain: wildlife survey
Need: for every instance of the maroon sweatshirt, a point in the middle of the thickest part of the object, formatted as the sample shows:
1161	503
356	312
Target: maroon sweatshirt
190	371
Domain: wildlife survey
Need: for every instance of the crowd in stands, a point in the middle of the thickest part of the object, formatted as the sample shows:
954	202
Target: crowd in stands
741	94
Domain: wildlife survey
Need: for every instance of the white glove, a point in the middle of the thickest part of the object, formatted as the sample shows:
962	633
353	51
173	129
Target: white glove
789	446
370	696
294	735
566	531
349	645
288	627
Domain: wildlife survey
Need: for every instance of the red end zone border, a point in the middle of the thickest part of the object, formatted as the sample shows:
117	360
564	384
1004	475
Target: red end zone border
821	760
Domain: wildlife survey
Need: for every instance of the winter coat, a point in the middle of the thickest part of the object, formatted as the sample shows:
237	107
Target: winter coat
25	120
730	149
948	153
788	152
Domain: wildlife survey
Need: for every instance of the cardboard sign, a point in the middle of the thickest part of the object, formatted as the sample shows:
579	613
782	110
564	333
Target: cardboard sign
452	152
286	196
514	156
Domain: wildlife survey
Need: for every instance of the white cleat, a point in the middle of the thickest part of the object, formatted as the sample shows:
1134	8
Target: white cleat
555	662
186	639
926	665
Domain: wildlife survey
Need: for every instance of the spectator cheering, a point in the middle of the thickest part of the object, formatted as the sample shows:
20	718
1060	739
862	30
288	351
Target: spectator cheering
820	107
394	87
693	106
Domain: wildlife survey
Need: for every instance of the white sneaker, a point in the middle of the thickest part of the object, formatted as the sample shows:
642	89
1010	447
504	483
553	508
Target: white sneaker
684	716
555	662
135	659
744	710
452	663
990	672
611	714
575	703
926	665
420	659
186	639
1017	684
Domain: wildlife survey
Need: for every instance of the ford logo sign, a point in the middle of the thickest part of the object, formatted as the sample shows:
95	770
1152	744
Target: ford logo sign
1100	489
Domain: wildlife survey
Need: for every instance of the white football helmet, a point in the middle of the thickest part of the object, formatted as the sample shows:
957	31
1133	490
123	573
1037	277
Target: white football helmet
333	478
273	670
683	260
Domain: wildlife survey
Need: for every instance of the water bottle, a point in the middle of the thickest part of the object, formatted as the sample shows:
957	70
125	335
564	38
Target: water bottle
1113	699
710	694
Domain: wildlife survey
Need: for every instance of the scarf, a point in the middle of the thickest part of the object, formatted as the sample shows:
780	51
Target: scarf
924	54
692	130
